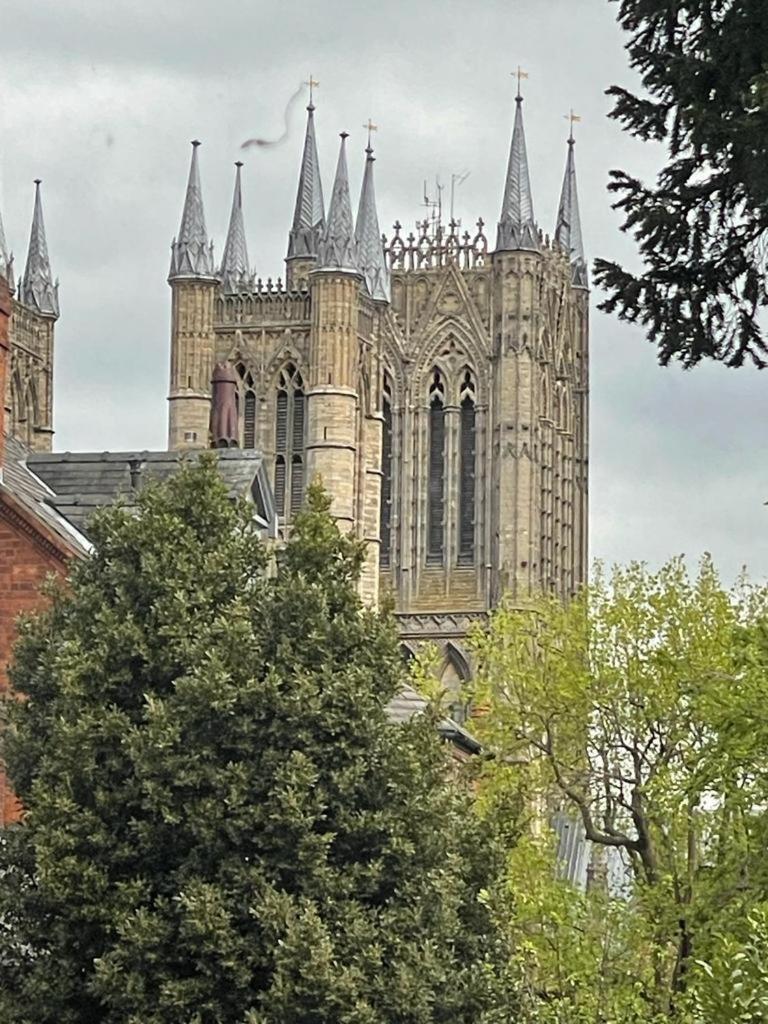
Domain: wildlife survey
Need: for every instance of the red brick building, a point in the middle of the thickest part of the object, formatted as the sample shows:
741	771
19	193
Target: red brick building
34	541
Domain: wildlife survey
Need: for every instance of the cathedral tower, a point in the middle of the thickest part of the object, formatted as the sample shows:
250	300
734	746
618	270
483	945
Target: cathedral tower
193	282
436	384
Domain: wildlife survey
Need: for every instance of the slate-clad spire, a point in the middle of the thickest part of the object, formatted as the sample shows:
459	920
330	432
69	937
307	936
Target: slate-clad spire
370	248
309	215
235	270
517	226
38	290
192	252
568	229
338	250
6	261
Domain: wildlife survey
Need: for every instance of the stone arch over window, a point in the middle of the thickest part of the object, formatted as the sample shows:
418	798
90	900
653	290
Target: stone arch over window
246	405
467	468
454	675
385	511
436	471
290	441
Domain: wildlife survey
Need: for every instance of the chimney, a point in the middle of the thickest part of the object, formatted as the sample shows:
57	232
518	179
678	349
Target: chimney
5	361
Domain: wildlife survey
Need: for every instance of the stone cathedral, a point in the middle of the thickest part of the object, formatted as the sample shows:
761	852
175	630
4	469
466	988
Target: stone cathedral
436	384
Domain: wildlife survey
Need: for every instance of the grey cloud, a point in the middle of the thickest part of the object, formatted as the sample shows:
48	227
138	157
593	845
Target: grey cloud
101	101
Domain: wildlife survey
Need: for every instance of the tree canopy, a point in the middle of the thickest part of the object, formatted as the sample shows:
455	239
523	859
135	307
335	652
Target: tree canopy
638	711
222	824
702	228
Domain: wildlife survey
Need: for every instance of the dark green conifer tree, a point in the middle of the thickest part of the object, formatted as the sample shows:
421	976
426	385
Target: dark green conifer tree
222	824
702	228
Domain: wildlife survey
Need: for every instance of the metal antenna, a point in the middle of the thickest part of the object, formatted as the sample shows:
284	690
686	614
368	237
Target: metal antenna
457	179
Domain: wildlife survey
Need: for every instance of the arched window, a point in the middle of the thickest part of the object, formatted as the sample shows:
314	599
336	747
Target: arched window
385	512
248	406
436	495
289	441
467	448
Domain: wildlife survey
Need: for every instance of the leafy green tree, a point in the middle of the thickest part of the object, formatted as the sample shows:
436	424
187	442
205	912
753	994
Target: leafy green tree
222	825
702	228
619	709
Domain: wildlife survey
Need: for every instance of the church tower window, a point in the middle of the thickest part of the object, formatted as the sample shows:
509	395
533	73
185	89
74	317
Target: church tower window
385	514
436	493
467	455
249	420
289	441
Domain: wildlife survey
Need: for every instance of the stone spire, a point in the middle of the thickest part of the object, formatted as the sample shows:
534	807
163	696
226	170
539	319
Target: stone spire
568	229
309	215
235	272
517	226
370	248
192	252
38	290
338	250
6	261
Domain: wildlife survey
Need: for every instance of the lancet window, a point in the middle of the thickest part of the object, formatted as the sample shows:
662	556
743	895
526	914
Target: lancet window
289	441
467	457
385	514
436	493
247	406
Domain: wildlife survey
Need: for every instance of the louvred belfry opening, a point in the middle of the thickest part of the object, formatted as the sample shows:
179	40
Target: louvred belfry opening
385	516
289	441
436	504
466	554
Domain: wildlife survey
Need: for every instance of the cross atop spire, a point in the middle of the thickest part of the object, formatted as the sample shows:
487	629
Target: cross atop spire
371	127
6	261
38	290
192	252
517	225
568	228
235	270
338	250
370	249
309	213
312	86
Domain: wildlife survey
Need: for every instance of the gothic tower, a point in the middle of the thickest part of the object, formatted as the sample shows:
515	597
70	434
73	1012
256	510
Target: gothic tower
194	283
35	310
437	386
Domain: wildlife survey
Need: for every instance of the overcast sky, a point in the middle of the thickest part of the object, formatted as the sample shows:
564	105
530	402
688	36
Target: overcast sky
101	99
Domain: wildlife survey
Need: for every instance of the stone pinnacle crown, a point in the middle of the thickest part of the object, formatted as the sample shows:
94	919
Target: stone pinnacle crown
235	273
370	248
338	250
309	214
517	225
568	229
38	290
192	252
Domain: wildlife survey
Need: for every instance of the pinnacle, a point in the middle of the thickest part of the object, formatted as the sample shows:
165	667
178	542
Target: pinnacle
338	250
368	237
517	224
192	252
309	214
235	270
568	229
38	290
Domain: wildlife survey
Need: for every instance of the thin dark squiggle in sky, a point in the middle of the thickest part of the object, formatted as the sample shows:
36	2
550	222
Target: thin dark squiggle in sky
287	118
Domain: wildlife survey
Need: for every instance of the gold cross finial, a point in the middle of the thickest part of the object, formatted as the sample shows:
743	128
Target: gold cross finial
312	85
572	120
520	75
371	128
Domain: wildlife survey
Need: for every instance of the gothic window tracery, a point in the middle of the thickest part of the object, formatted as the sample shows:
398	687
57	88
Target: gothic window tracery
289	441
248	406
385	514
436	491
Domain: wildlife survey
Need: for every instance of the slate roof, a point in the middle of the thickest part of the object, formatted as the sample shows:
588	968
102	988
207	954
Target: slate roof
81	482
35	497
409	702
